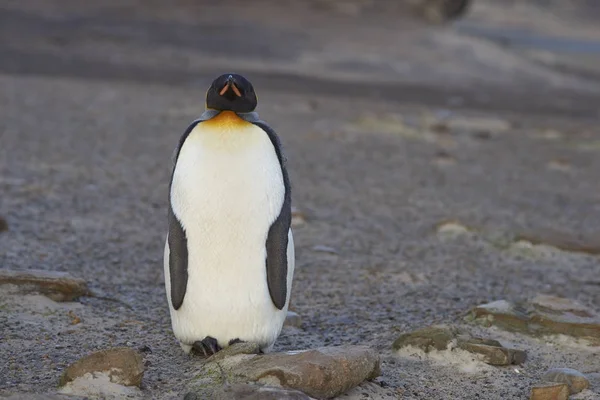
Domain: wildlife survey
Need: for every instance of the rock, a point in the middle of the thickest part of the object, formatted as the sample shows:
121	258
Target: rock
550	391
293	319
493	352
324	249
298	217
560	241
502	314
245	391
559	305
325	372
234	350
58	286
543	315
576	381
98	385
447	338
124	366
452	229
427	339
3	225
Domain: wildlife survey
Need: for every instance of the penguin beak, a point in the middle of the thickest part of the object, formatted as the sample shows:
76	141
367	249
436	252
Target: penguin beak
230	85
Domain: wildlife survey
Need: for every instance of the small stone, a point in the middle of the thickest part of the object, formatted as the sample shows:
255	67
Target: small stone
293	319
576	381
234	350
427	339
324	249
74	318
58	286
322	373
3	225
501	313
452	229
493	352
550	391
298	217
145	349
124	366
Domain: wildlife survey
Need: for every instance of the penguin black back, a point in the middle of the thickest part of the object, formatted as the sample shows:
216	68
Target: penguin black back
231	92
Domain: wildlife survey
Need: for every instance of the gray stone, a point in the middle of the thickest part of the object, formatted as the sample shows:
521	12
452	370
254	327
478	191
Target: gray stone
550	391
493	352
293	319
543	315
427	339
439	337
502	314
576	381
3	225
59	286
324	372
124	366
298	217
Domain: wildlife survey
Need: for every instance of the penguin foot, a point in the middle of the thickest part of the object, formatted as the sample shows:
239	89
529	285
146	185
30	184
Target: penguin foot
207	346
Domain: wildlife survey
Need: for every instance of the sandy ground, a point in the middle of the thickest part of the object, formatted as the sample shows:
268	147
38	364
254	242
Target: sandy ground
93	101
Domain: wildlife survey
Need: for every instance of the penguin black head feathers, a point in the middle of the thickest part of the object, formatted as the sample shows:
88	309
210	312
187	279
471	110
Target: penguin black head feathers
231	92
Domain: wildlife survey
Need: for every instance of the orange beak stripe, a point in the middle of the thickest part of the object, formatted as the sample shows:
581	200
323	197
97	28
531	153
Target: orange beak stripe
222	92
233	87
236	90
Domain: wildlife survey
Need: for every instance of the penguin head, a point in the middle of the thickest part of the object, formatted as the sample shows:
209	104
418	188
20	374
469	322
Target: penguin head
231	92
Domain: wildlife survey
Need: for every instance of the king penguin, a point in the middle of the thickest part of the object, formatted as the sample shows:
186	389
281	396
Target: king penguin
229	252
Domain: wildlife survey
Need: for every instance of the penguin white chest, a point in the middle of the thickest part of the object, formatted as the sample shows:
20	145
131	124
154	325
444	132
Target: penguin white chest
227	190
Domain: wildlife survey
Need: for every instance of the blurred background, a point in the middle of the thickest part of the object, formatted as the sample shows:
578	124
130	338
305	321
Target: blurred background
443	154
441	51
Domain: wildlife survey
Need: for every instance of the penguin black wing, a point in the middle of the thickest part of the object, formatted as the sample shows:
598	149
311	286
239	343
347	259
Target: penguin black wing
277	238
178	251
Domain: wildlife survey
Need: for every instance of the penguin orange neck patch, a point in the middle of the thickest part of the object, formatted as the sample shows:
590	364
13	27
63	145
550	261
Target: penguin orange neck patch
226	118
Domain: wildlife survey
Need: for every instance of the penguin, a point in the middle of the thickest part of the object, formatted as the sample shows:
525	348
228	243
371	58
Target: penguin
229	252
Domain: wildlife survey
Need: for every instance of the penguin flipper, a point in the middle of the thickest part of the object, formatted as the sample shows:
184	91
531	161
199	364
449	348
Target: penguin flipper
277	238
178	260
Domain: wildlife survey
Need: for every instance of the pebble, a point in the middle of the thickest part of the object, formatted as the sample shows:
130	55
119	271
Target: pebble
576	381
293	319
550	391
324	249
298	217
3	225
